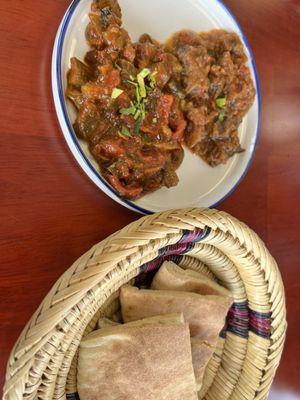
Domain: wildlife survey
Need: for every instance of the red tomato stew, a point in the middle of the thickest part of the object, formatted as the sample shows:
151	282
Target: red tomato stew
139	103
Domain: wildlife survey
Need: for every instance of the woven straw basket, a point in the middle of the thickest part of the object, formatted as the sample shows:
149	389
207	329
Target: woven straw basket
43	362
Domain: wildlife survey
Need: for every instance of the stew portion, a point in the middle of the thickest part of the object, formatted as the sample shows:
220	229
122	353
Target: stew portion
218	91
138	103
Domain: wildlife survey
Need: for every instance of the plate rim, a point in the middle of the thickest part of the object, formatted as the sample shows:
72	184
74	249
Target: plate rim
73	144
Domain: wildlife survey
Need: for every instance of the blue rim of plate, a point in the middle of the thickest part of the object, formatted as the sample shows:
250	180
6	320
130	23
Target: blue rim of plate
130	204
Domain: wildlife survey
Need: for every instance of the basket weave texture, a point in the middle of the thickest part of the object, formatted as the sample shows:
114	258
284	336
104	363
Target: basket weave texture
43	362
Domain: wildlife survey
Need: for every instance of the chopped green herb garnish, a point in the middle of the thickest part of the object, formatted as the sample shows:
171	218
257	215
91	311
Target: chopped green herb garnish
222	115
141	81
221	102
143	110
116	93
118	66
125	131
152	79
142	88
131	82
137	114
137	125
138	107
138	96
144	73
128	111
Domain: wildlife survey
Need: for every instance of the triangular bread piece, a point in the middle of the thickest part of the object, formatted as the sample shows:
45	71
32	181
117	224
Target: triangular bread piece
171	277
205	314
138	361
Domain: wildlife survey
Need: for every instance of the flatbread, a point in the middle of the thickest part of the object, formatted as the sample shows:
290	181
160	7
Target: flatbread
138	361
201	354
105	322
171	277
205	314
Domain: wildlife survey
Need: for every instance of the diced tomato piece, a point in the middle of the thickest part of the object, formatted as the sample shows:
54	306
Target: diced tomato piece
110	148
164	105
130	192
178	134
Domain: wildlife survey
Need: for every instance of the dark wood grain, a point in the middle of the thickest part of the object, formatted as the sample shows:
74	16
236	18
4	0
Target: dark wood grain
51	213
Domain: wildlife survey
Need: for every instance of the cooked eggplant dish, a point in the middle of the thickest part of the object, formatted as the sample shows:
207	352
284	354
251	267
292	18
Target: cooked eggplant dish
139	104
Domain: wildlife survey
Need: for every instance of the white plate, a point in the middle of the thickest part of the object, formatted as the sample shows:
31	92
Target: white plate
199	185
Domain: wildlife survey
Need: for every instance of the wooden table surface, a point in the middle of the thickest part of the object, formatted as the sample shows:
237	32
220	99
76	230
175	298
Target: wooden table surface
51	213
